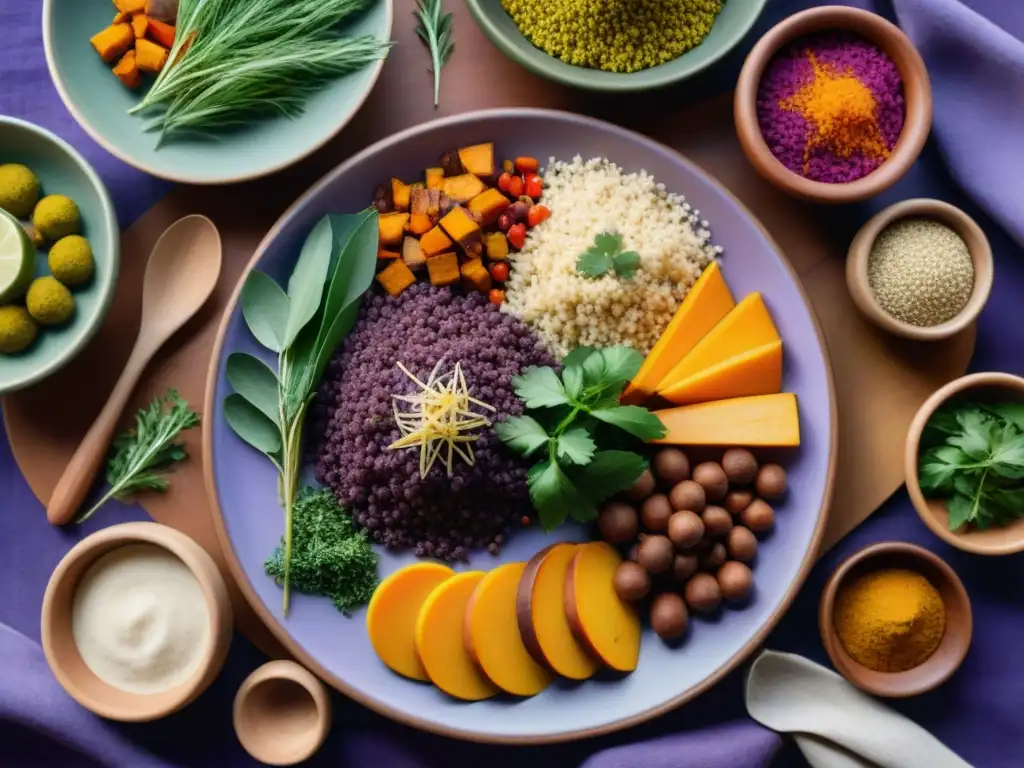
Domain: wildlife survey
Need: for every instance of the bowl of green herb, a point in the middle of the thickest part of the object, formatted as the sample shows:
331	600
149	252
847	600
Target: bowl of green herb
248	87
964	463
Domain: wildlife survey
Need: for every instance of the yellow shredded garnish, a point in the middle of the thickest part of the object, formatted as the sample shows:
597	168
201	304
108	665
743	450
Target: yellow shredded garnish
438	417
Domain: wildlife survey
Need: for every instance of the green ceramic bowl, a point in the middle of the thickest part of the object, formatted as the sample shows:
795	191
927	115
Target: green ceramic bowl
99	103
61	170
732	24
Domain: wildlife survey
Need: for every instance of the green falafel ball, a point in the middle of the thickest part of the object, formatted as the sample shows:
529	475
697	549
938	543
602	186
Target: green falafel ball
56	216
71	260
17	330
49	302
19	190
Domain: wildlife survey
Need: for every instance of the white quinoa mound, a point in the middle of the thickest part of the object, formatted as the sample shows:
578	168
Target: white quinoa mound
586	198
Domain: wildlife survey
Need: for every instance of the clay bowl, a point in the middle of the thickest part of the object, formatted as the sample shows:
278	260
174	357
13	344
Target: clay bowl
944	213
916	88
955	642
983	387
282	713
62	654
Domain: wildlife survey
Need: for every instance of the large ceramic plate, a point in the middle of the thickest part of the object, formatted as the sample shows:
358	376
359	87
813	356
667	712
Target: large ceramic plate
244	495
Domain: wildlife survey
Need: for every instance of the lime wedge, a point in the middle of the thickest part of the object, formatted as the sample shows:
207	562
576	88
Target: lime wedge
17	259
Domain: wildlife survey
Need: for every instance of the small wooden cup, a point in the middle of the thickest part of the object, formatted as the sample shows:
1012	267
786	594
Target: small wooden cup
59	644
916	88
860	253
983	387
938	667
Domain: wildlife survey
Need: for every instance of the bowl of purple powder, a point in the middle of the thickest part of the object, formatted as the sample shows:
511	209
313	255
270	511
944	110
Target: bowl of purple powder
833	105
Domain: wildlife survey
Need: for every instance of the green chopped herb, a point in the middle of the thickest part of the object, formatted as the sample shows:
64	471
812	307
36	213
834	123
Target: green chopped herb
606	255
435	29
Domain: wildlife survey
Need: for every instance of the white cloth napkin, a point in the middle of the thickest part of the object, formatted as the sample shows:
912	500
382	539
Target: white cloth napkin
835	724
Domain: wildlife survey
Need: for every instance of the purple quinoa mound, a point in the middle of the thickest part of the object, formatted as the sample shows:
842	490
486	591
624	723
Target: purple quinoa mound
353	422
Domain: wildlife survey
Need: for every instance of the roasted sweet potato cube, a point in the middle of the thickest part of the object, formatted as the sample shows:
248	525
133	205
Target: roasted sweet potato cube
488	205
400	193
443	269
426	202
396	277
461	227
139	25
496	246
127	72
392	227
113	42
385	255
463	188
435	242
130	6
475	273
478	159
451	164
150	56
435	178
412	255
420	224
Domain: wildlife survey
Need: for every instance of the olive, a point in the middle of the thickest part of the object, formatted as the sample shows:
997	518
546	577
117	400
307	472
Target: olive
739	465
618	522
683	567
717	521
735	581
655	513
711	477
687	495
669	616
703	593
685	528
642	487
655	554
758	517
631	581
736	501
742	544
714	559
671	466
771	482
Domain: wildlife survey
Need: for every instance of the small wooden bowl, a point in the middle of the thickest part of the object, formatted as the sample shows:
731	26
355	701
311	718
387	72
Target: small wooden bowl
959	624
944	213
984	387
916	89
59	645
282	713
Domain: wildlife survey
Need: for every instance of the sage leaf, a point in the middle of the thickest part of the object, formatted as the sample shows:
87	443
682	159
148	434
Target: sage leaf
256	382
306	285
265	309
251	425
635	419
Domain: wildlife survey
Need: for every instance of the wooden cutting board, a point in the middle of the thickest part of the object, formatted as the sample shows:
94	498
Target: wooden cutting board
880	381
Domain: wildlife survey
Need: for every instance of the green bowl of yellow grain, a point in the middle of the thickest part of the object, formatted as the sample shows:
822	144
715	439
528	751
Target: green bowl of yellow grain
546	39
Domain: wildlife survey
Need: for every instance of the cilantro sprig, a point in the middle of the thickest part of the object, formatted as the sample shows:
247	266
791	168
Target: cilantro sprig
975	459
606	255
568	426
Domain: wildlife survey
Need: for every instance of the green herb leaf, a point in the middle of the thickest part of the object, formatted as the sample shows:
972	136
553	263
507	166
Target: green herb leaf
572	379
605	255
608	243
435	29
627	263
306	284
540	388
1008	413
593	264
577	356
256	382
575	445
523	434
937	468
554	496
621	364
608	473
1007	452
251	425
960	511
265	309
635	419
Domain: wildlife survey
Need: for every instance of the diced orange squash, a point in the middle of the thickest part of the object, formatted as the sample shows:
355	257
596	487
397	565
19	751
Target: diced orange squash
392	227
400	192
130	7
475	274
488	205
113	42
127	72
708	301
462	188
756	372
461	227
496	246
443	269
121	18
411	253
385	255
139	25
420	224
748	326
478	159
396	277
150	56
161	32
435	242
763	421
435	178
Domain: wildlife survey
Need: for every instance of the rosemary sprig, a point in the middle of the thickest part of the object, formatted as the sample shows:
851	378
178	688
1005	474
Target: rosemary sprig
435	29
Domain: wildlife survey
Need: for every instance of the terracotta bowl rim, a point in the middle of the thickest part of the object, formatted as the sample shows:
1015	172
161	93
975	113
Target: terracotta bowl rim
885	35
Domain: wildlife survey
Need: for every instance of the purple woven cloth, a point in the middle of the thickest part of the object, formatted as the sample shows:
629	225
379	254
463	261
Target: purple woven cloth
976	58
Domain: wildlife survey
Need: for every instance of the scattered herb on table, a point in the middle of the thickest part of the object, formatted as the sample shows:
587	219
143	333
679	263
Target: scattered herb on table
141	458
565	416
435	29
606	255
303	326
330	554
975	459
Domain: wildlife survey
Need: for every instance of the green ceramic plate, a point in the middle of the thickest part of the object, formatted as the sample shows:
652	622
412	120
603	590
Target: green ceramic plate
732	24
100	103
61	170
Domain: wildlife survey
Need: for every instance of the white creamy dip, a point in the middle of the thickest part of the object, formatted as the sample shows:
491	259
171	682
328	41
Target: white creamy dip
139	619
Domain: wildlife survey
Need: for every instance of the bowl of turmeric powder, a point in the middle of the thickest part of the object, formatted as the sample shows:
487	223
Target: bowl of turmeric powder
895	619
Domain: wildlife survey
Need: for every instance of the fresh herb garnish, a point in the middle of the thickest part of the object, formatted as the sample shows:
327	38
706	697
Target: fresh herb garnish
435	29
575	473
975	458
606	255
140	458
330	555
303	327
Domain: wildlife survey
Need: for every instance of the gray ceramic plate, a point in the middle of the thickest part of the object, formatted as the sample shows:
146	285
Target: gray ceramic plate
242	484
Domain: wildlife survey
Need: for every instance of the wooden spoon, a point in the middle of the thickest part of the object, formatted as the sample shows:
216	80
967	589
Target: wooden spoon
180	276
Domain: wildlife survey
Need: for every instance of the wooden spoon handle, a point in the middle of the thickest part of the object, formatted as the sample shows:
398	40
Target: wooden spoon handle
77	479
